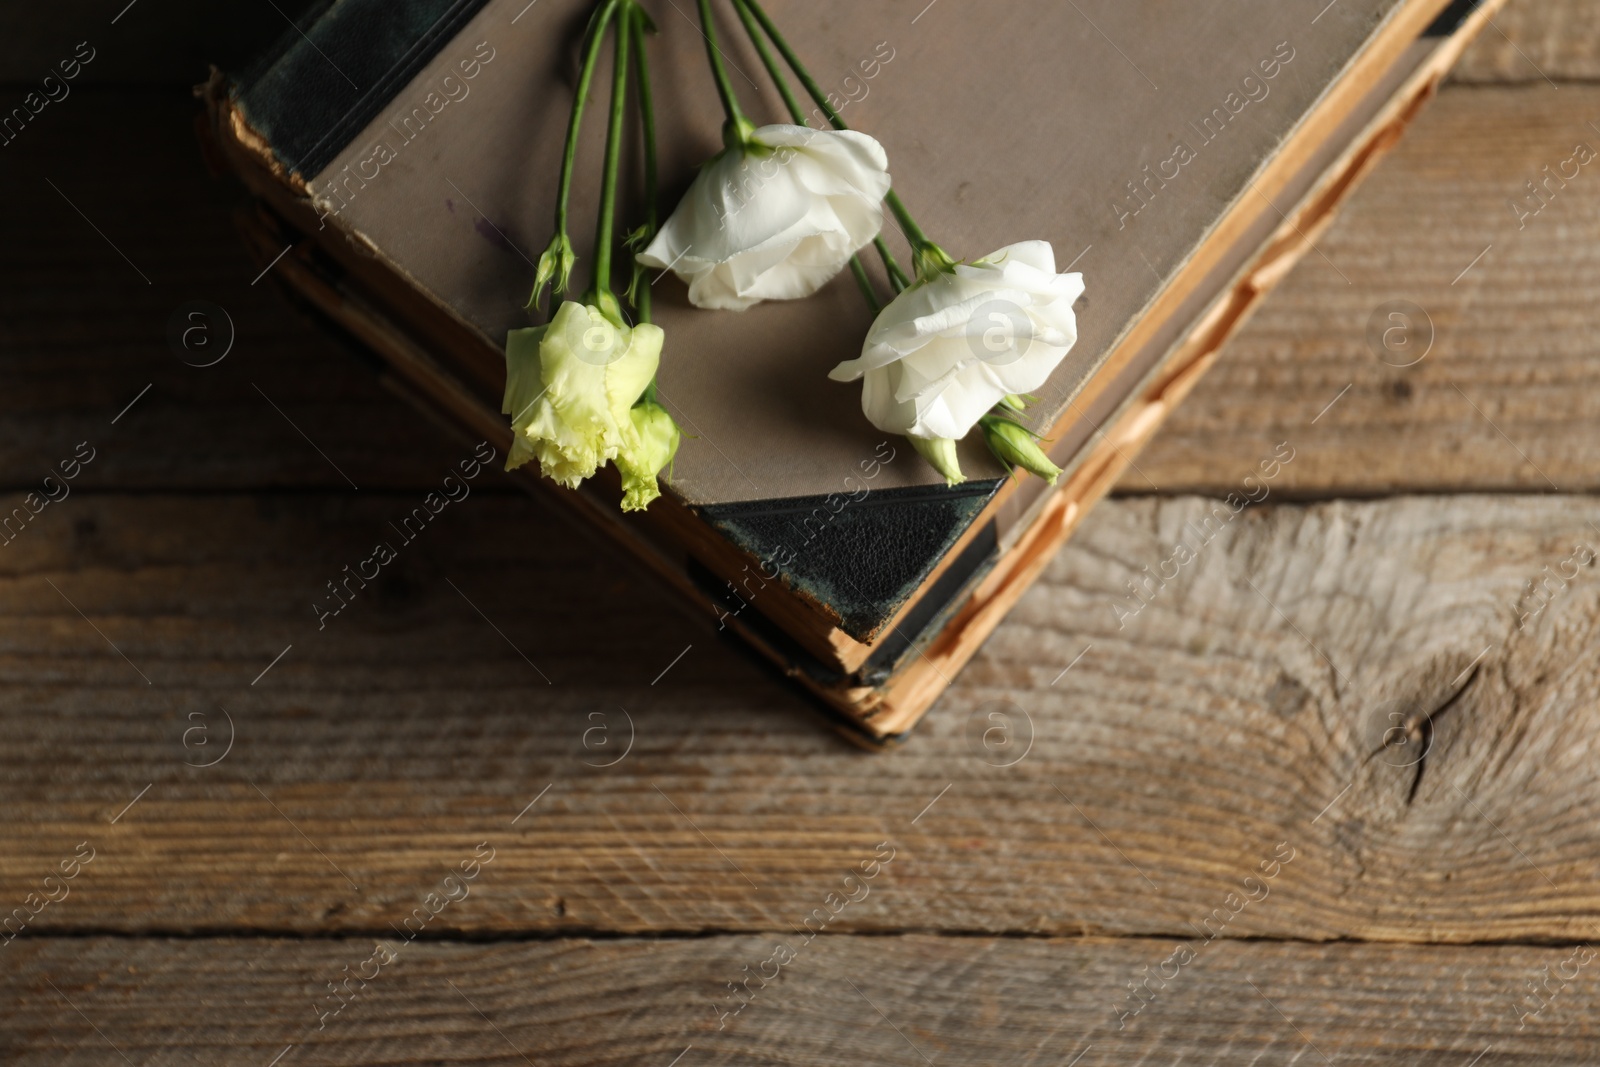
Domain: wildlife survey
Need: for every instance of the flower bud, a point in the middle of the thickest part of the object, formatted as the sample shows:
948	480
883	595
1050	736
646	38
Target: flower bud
1015	445
556	263
940	452
641	466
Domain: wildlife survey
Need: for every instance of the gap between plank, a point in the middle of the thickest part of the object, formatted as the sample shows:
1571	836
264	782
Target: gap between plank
579	933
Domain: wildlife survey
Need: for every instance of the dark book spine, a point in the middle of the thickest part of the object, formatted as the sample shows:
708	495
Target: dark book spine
328	77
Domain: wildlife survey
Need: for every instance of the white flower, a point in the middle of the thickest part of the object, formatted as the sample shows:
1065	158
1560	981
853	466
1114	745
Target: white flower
948	349
570	388
775	220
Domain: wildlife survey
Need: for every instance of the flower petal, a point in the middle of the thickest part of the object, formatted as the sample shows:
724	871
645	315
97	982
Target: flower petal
777	220
945	351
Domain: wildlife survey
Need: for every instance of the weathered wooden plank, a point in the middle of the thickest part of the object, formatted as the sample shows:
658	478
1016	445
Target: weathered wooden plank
85	330
1188	742
1532	40
837	1001
1507	398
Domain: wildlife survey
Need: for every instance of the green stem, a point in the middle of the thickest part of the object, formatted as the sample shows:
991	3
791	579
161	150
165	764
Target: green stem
600	287
647	121
897	277
926	256
647	117
738	126
811	87
769	61
860	272
913	232
596	37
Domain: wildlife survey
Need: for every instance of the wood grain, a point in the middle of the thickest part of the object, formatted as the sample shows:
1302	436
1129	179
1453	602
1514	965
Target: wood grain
84	333
1532	40
1164	766
854	1001
1507	397
1271	700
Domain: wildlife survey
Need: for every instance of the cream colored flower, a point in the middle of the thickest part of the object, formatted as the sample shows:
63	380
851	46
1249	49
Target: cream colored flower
948	349
570	388
775	219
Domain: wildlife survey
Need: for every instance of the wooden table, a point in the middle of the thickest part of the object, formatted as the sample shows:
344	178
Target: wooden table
1330	797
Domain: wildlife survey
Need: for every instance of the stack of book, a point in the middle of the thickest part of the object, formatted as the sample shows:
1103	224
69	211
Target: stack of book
1180	156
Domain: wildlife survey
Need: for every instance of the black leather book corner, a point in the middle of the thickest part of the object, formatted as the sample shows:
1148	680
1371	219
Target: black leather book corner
326	78
862	559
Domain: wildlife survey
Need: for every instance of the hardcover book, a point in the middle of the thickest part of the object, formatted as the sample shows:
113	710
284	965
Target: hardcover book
1181	157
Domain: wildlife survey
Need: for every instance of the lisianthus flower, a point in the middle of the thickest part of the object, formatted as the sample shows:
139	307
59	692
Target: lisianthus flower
641	466
961	340
774	217
570	388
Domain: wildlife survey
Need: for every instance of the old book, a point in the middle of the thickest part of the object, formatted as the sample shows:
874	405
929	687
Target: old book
1180	156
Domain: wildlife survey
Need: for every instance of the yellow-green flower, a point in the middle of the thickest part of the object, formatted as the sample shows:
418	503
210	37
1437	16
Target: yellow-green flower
570	388
658	439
